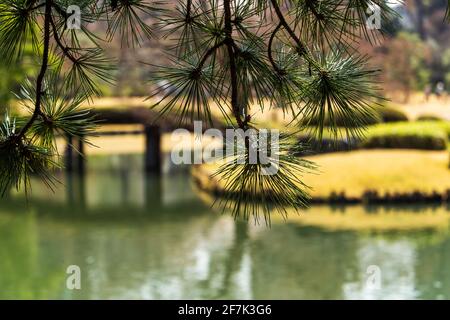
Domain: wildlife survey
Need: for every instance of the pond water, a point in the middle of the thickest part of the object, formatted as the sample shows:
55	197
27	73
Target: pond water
143	237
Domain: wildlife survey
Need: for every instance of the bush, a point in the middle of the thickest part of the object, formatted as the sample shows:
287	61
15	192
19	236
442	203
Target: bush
423	142
341	120
389	114
408	135
429	117
313	146
382	114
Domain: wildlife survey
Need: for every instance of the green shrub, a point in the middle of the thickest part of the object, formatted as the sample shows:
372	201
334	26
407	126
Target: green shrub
340	120
423	142
381	114
389	114
429	117
424	135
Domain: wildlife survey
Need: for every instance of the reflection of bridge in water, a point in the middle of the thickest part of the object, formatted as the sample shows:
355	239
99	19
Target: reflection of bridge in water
153	126
112	193
149	236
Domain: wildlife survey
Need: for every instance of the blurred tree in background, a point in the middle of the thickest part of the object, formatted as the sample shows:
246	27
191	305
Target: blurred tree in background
13	75
446	64
423	18
405	64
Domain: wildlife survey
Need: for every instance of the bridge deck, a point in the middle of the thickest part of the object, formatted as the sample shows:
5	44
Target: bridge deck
148	117
154	125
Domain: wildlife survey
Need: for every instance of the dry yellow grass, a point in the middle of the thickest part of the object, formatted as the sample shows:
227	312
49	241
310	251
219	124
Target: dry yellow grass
401	171
269	117
415	107
393	171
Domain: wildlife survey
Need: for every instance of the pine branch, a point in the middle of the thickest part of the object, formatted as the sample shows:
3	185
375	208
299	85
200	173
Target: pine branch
301	49
44	66
233	69
447	14
312	7
188	10
65	50
270	52
209	53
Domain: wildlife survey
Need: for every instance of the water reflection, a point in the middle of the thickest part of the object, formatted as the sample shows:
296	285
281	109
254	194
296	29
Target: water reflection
142	237
396	261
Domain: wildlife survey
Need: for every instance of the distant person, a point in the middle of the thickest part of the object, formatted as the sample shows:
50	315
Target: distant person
440	89
428	91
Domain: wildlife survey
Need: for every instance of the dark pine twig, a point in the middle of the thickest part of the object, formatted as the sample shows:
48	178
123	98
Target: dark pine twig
270	52
233	67
40	79
301	49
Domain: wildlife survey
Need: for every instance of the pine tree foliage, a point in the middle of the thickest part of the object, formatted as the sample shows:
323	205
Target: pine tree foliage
241	55
255	189
296	55
70	73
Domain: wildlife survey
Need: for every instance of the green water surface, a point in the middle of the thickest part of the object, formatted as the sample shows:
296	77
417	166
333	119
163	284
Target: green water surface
143	237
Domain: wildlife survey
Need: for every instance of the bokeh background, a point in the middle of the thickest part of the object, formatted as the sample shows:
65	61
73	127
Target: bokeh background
382	201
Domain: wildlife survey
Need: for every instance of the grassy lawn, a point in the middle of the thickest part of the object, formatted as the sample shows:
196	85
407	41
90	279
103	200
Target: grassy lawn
401	171
393	171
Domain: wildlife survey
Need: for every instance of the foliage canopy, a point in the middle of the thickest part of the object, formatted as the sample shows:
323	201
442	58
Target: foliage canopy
242	55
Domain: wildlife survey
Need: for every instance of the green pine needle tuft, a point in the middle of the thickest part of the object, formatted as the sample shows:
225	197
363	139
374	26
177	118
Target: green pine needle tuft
341	88
18	25
128	19
62	113
185	90
257	188
20	159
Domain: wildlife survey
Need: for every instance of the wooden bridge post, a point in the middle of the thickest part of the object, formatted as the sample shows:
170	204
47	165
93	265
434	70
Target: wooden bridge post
80	156
71	156
152	149
74	162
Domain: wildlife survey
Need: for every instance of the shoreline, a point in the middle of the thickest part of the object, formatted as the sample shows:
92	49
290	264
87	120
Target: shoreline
202	180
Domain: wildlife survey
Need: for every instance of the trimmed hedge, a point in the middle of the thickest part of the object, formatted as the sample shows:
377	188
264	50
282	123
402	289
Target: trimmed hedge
340	121
389	114
327	145
424	135
381	114
429	117
412	141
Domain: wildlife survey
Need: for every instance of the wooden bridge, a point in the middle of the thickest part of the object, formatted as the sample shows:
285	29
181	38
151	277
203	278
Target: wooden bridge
153	127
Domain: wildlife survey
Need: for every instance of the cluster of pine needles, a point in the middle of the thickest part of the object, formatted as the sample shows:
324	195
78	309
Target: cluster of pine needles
240	55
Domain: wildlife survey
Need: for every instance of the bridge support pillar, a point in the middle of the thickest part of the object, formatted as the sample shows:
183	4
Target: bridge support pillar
68	157
74	159
152	158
